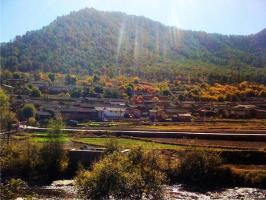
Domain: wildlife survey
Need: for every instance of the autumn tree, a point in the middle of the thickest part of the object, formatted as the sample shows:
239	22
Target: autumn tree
137	175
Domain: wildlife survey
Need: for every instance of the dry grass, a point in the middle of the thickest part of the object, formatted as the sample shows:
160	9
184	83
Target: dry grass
245	145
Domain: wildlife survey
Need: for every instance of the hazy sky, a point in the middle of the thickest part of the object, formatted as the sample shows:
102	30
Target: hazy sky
221	16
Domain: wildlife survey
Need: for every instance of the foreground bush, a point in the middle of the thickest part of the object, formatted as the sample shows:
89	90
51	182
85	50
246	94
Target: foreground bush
33	162
12	189
203	169
131	176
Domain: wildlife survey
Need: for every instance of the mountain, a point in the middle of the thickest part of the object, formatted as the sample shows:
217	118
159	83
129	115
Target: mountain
89	39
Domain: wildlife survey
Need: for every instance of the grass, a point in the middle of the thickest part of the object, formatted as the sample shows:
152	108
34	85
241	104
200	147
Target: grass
220	126
224	144
46	139
104	124
127	143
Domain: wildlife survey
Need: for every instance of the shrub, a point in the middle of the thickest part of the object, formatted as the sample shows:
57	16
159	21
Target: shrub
20	161
34	163
55	159
202	169
28	111
32	121
111	146
119	176
13	189
36	92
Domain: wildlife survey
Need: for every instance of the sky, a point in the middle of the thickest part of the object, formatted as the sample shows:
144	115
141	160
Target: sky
230	17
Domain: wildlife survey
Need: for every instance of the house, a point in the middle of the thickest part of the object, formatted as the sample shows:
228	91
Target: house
58	89
43	115
41	85
110	113
133	112
79	114
182	117
15	81
260	114
207	113
242	111
157	115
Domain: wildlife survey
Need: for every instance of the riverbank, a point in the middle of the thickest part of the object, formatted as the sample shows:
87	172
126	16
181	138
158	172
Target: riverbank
64	189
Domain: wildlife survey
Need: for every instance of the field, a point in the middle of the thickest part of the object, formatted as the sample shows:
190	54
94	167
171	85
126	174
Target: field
127	143
240	145
79	138
238	126
70	141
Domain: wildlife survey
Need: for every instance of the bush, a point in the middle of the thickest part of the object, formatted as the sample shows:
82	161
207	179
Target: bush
20	161
111	146
34	163
32	121
12	189
36	92
28	111
119	176
255	178
203	169
53	151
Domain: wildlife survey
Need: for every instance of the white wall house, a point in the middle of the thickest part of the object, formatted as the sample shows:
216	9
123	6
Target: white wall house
110	113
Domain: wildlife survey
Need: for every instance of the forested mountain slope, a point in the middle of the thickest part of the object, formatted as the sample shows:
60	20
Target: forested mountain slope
89	39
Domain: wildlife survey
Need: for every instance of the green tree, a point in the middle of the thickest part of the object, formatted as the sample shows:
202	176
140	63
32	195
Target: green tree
111	93
129	89
98	89
35	92
28	111
86	92
76	93
70	79
32	121
166	92
53	154
51	76
7	118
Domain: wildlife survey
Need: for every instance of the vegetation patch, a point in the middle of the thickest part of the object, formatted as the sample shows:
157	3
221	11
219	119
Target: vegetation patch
127	143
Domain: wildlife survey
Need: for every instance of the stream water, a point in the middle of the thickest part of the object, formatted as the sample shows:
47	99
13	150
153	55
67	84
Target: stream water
64	189
178	192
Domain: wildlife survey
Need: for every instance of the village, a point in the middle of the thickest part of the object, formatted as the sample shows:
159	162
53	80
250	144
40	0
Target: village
144	100
142	106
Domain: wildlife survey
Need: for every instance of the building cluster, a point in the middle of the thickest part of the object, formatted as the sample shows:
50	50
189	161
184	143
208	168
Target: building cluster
142	105
106	109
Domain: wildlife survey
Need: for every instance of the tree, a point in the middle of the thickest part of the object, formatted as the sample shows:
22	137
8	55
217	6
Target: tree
35	92
129	89
111	93
70	79
133	176
86	92
4	100
181	97
52	152
28	111
51	76
98	89
32	121
200	168
111	146
76	93
7	118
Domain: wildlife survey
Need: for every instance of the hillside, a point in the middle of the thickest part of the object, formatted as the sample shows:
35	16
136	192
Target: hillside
89	39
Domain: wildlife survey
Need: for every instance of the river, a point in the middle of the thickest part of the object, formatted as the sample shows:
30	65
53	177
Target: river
64	189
